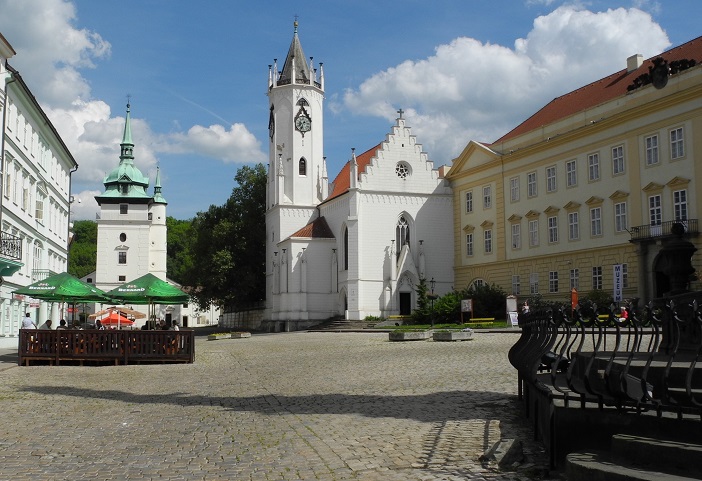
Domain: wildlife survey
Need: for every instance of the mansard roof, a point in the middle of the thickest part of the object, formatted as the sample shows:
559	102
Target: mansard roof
615	85
317	229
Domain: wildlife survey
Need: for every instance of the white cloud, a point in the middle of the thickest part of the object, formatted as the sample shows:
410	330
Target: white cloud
236	145
473	90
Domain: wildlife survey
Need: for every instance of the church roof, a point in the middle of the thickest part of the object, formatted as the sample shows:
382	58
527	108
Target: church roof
302	70
343	179
317	229
615	85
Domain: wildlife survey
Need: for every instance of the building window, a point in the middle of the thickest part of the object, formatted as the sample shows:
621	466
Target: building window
487	197
625	275
573	226
469	202
469	244
402	233
124	188
8	178
597	277
122	278
516	236
575	278
122	259
593	167
534	233
346	248
553	281
402	170
618	160
596	221
571	173
552	229
680	204
534	283
551	179
488	241
516	285
651	149
302	167
677	146
122	237
655	210
514	189
532	190
124	208
620	222
39	207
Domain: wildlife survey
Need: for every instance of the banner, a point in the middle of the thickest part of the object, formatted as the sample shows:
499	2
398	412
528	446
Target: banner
618	283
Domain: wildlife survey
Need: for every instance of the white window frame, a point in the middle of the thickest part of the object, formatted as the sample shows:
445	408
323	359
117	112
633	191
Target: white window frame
651	146
677	143
534	283
597	278
552	229
596	221
571	173
514	189
593	166
620	217
516	285
532	186
551	181
469	202
553	281
680	210
516	236
575	278
655	209
533	232
618	160
487	197
573	226
487	241
469	244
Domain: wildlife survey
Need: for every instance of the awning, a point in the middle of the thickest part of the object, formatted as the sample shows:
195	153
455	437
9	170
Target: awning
9	267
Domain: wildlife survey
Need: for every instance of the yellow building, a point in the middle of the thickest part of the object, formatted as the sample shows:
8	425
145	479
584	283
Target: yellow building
584	192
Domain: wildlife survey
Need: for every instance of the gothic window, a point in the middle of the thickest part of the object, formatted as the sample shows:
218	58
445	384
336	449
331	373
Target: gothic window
346	249
302	167
402	233
302	102
402	170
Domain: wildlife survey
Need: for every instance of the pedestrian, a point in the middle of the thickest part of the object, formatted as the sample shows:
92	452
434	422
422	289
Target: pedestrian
62	324
46	325
27	322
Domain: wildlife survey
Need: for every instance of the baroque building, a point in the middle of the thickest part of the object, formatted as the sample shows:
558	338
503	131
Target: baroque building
34	199
583	194
359	245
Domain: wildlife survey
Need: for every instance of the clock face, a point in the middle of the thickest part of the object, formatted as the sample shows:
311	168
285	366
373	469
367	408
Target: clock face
303	123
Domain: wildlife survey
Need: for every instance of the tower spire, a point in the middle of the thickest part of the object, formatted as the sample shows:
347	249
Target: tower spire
157	187
127	146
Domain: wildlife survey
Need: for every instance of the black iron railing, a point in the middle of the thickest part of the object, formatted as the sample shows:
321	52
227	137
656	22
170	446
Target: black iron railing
651	231
10	246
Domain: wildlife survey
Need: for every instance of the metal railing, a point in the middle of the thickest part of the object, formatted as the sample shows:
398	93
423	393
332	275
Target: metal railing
652	231
10	246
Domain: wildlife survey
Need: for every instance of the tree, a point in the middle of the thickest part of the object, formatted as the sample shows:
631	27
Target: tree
228	250
178	249
82	253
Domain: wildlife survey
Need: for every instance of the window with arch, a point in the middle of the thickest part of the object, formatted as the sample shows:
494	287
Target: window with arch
302	167
122	237
302	102
402	233
346	248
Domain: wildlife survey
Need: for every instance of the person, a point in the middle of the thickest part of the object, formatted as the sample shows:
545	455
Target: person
27	322
525	308
62	324
99	326
46	325
174	326
623	314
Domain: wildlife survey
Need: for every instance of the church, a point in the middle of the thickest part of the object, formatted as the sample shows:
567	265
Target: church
359	245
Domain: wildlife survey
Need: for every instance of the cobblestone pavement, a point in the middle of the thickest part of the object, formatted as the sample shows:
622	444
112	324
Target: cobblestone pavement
292	406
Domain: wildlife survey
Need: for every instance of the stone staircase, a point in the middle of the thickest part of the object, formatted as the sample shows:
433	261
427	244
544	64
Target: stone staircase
637	458
339	324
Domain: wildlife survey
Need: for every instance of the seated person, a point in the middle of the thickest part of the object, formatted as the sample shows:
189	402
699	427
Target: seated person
62	324
46	325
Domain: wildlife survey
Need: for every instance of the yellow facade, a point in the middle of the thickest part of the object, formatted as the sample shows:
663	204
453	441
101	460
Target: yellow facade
561	205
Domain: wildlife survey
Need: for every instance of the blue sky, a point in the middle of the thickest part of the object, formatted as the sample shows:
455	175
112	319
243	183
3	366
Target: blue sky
197	73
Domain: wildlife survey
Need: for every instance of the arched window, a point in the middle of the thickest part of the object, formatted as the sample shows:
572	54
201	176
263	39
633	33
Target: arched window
302	167
346	249
302	102
402	233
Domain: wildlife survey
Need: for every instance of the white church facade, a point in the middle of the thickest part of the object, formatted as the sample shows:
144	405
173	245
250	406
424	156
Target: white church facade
357	246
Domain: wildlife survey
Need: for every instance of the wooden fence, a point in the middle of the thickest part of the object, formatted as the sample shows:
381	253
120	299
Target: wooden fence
113	346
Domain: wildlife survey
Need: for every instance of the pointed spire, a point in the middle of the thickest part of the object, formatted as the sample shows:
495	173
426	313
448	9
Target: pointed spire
127	146
295	71
157	187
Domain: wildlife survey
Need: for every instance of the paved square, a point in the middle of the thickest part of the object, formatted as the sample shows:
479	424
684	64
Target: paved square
292	406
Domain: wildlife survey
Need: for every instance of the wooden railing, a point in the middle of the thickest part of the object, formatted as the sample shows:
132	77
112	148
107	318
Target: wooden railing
114	346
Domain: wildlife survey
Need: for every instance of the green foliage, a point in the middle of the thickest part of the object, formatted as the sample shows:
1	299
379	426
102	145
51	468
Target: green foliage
488	300
598	296
375	319
228	246
423	312
178	249
82	253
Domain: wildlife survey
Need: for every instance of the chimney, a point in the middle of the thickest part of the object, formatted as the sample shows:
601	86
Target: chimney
634	62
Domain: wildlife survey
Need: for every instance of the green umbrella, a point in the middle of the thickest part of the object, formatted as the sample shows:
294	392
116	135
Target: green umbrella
63	287
148	289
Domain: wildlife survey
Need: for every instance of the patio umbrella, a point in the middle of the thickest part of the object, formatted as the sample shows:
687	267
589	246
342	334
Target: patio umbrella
115	319
125	311
148	289
63	287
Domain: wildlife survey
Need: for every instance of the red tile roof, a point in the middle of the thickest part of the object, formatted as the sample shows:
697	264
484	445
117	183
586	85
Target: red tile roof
600	91
317	229
343	179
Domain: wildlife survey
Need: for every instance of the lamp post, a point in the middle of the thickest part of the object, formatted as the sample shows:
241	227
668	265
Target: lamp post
432	282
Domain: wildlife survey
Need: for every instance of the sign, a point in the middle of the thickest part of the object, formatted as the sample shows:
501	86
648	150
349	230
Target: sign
618	283
514	318
467	305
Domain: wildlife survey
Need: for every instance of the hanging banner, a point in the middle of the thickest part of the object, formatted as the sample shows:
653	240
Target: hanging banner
618	283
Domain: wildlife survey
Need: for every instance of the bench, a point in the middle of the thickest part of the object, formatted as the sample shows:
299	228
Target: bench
481	321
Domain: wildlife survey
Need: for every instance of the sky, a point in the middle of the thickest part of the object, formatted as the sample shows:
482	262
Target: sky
196	75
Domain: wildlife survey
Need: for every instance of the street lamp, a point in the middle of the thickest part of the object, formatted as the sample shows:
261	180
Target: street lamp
432	282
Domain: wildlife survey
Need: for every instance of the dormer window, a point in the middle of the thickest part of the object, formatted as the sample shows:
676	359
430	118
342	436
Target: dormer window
124	188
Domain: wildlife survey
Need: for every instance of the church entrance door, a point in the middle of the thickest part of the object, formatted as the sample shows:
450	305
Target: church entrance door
405	303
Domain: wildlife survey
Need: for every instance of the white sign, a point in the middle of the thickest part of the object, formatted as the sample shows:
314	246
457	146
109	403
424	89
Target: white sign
467	305
514	318
618	283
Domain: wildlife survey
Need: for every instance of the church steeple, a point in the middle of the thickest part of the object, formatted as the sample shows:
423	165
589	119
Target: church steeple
127	146
295	69
157	188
